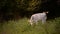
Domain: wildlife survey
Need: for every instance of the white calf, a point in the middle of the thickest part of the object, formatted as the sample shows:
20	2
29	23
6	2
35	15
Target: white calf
39	16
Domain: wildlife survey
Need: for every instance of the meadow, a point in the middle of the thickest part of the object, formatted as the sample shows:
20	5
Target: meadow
22	26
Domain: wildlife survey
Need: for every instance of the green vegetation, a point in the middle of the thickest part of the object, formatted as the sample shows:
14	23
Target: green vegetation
22	26
15	9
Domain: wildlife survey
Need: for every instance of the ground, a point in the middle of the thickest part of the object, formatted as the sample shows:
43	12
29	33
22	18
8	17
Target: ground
22	26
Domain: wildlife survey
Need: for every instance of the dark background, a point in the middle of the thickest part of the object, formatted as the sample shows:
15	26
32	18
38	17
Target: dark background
12	10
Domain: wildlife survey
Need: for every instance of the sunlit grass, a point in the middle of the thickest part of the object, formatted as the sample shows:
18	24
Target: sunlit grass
22	26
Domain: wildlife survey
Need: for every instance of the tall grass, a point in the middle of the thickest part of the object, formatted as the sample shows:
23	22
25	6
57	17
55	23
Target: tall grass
22	26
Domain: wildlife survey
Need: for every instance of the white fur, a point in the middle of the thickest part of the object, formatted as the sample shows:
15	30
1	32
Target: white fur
36	17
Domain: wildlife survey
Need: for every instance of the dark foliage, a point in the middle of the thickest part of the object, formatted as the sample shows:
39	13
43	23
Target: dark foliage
15	9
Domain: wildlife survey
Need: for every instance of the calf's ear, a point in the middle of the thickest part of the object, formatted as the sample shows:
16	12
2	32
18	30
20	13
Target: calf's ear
47	12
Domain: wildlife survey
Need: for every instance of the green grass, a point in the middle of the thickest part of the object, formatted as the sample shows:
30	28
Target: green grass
22	26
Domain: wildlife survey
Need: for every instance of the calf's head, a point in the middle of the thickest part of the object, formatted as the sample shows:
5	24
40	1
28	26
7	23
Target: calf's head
45	12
